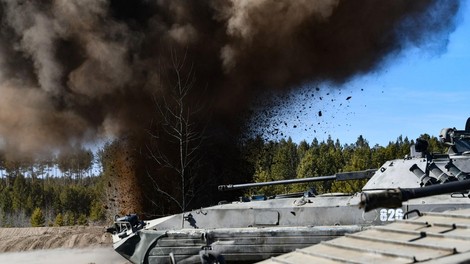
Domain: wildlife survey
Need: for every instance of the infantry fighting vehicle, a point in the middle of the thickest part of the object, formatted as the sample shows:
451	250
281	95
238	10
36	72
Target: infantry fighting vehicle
255	229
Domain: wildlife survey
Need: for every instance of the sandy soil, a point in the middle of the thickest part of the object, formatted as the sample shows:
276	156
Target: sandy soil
23	239
77	244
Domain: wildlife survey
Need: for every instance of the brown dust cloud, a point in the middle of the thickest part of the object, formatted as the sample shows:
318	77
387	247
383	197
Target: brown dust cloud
81	71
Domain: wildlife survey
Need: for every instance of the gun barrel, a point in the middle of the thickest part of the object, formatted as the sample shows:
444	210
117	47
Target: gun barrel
366	174
393	198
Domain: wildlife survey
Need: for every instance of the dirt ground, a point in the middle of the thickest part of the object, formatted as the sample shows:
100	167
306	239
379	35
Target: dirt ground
24	239
74	244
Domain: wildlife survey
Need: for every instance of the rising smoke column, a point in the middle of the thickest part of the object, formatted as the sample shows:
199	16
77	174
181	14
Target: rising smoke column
81	70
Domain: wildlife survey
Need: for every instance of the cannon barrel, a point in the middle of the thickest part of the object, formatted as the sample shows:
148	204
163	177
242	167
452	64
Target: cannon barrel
393	198
343	176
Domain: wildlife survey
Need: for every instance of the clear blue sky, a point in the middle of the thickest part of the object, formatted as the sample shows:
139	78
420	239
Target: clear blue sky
418	92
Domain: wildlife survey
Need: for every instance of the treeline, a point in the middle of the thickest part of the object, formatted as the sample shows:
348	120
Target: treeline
53	201
284	159
54	190
33	193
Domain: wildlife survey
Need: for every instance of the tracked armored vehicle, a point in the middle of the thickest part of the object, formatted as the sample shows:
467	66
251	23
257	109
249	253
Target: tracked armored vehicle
251	230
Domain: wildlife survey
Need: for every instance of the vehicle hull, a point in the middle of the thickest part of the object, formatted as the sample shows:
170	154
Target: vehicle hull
233	244
257	231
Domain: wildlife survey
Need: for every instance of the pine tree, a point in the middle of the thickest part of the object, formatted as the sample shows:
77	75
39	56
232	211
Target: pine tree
69	218
59	220
82	220
37	218
97	211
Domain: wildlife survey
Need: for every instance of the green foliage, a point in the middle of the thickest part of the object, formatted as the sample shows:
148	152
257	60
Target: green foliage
82	220
285	160
59	220
69	218
6	204
75	198
97	212
26	185
35	197
20	192
52	195
285	163
37	218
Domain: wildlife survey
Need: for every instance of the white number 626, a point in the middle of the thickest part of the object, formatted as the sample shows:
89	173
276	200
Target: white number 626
391	214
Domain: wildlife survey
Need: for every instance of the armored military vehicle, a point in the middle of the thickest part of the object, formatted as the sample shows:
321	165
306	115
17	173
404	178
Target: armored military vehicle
254	229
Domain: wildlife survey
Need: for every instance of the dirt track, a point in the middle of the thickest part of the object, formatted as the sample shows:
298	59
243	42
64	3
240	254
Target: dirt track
57	245
24	239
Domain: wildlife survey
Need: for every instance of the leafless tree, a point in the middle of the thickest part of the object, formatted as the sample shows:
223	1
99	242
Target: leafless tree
179	135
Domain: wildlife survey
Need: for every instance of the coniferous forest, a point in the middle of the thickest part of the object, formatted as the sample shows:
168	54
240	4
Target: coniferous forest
70	188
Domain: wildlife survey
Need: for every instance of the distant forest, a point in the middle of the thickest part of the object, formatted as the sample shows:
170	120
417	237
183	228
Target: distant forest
68	189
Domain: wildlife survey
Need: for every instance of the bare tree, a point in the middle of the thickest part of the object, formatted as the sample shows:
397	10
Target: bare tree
179	135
